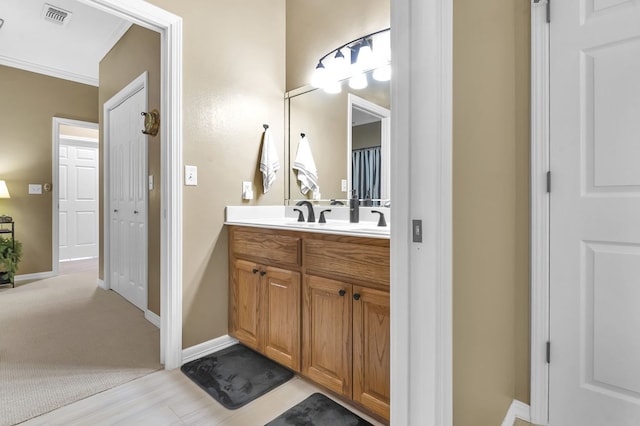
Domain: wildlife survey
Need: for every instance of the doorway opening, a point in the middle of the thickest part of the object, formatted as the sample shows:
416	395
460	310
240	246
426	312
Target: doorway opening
76	166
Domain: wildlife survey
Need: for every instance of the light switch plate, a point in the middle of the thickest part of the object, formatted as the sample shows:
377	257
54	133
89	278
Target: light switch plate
344	185
190	175
247	190
35	188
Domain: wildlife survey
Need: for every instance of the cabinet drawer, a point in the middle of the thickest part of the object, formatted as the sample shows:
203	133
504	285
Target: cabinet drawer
363	263
266	247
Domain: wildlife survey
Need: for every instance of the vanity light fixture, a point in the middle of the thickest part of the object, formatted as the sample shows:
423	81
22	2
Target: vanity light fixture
352	60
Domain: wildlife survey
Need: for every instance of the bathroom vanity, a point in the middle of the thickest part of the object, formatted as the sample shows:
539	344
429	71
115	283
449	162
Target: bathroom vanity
316	300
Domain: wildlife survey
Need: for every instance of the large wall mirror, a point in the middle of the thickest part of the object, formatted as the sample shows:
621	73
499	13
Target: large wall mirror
348	136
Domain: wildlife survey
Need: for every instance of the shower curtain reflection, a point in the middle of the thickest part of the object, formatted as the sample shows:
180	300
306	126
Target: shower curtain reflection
366	172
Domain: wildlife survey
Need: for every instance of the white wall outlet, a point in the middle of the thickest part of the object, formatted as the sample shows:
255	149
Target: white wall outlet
247	190
344	185
35	188
190	175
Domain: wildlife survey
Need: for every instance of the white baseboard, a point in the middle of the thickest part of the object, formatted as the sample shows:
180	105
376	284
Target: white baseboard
206	348
152	317
517	409
101	284
36	276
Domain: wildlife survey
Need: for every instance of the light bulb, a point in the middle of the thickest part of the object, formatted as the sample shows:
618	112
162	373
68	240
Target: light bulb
319	77
383	73
340	66
365	57
358	81
333	87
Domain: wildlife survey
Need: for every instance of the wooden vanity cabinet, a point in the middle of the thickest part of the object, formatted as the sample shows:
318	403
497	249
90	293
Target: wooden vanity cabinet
318	304
264	300
346	340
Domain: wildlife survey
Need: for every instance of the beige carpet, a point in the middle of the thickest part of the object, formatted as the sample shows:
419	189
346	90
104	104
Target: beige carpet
63	339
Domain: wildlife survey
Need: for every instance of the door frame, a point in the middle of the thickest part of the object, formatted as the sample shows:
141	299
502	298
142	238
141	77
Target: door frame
170	28
140	83
56	123
421	184
422	88
540	230
384	114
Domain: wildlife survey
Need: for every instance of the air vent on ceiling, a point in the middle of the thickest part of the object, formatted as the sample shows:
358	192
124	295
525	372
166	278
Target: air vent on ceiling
55	14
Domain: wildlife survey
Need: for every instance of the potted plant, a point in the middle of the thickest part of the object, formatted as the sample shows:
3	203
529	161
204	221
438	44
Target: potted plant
10	255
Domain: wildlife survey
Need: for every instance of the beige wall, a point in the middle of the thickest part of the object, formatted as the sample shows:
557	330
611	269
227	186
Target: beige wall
366	135
136	52
233	80
490	208
29	102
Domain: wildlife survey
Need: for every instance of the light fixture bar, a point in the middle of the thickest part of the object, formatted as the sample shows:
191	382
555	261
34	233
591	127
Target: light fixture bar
366	37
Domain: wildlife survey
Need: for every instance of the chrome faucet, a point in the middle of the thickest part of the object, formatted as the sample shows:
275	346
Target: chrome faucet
311	217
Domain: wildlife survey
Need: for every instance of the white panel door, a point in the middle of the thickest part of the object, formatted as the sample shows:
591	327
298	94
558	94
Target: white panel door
594	372
128	199
78	200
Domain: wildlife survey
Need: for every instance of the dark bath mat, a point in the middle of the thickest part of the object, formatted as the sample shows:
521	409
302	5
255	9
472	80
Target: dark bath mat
236	375
318	410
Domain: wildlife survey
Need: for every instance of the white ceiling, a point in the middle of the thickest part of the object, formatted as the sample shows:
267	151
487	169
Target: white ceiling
71	51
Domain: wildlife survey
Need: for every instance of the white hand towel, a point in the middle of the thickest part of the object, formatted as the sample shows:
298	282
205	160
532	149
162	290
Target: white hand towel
269	163
306	167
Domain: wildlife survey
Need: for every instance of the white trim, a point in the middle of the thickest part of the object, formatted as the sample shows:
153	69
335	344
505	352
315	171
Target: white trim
540	163
384	114
56	122
139	84
34	276
203	349
152	317
49	71
518	410
100	283
421	275
170	28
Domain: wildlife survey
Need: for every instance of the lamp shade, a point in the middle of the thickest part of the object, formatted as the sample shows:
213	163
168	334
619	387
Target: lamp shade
4	192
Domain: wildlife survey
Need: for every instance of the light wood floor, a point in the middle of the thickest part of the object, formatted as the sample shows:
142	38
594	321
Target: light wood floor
170	398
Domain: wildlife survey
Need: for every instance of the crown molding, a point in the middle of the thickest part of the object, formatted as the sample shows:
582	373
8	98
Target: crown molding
49	71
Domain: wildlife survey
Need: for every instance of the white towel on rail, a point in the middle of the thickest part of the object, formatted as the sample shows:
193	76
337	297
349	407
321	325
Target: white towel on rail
306	167
269	163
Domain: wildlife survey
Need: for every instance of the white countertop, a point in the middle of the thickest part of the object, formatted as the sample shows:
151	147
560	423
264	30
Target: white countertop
283	217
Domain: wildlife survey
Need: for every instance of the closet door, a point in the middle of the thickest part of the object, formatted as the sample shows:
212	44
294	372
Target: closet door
128	198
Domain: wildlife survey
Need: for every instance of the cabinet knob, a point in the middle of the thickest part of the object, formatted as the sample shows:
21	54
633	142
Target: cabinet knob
263	273
356	296
115	210
342	292
136	212
255	271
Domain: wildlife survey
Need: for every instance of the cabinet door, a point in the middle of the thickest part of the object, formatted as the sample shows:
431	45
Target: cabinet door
327	333
245	297
281	307
371	347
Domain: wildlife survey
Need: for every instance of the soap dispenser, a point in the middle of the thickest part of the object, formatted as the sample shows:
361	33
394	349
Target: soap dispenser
354	207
